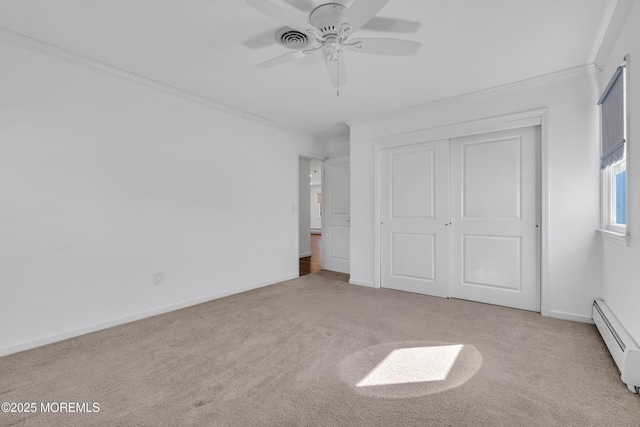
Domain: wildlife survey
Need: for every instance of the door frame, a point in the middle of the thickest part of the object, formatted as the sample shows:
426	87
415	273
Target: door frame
537	117
322	159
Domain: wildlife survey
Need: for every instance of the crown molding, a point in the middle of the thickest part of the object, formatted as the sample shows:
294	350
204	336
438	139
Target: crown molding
340	140
533	82
620	14
79	59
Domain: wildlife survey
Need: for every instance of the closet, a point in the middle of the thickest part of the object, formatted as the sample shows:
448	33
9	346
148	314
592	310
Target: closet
460	217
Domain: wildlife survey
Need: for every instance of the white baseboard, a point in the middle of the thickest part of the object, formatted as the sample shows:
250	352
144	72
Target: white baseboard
556	314
361	283
304	255
49	339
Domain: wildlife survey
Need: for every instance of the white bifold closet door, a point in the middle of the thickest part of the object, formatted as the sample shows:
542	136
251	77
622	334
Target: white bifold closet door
494	218
414	213
459	218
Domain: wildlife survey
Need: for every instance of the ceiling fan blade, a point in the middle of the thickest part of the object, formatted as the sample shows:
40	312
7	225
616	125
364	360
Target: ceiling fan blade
303	5
361	12
259	41
284	58
282	16
337	70
384	46
394	25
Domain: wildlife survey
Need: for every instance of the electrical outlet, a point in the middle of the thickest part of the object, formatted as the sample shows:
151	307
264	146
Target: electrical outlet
158	279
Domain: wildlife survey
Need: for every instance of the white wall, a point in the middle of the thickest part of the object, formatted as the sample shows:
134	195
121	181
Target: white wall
304	226
574	269
104	182
314	207
338	148
621	289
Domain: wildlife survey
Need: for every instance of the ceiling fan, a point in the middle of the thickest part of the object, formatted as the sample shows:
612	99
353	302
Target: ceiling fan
329	31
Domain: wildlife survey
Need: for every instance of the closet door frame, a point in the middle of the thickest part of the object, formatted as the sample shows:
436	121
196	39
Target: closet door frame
512	121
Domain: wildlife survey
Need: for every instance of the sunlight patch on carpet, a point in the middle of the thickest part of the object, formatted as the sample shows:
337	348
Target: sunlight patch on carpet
405	369
413	365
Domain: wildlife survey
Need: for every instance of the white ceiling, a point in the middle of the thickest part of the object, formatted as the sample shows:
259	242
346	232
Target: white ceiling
210	48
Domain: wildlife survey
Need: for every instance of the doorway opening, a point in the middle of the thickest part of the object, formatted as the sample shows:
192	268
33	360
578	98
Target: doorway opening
310	212
313	263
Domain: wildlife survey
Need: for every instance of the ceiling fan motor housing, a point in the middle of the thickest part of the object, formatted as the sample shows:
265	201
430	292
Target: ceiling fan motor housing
327	17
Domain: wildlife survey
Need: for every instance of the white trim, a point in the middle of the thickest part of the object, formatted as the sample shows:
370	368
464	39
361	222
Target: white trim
583	70
340	140
377	267
474	127
620	14
78	59
296	211
322	215
557	314
491	124
362	283
15	348
545	288
308	155
614	237
609	198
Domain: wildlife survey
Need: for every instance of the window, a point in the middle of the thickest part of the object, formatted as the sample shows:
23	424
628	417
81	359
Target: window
614	180
613	163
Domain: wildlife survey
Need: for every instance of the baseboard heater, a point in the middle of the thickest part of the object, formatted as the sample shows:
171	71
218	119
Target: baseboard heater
623	349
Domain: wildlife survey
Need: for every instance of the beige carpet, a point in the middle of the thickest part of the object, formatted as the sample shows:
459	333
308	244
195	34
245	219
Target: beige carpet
309	351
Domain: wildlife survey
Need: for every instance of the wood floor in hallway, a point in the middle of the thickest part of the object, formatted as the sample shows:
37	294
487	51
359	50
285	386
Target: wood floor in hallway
313	263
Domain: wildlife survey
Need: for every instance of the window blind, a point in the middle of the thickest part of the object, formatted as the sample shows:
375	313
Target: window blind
612	107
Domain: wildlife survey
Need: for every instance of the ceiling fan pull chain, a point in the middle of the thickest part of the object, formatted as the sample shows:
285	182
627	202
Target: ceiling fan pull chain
338	61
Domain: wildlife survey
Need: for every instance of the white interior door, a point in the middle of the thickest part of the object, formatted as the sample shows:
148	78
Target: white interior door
414	215
494	215
336	229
